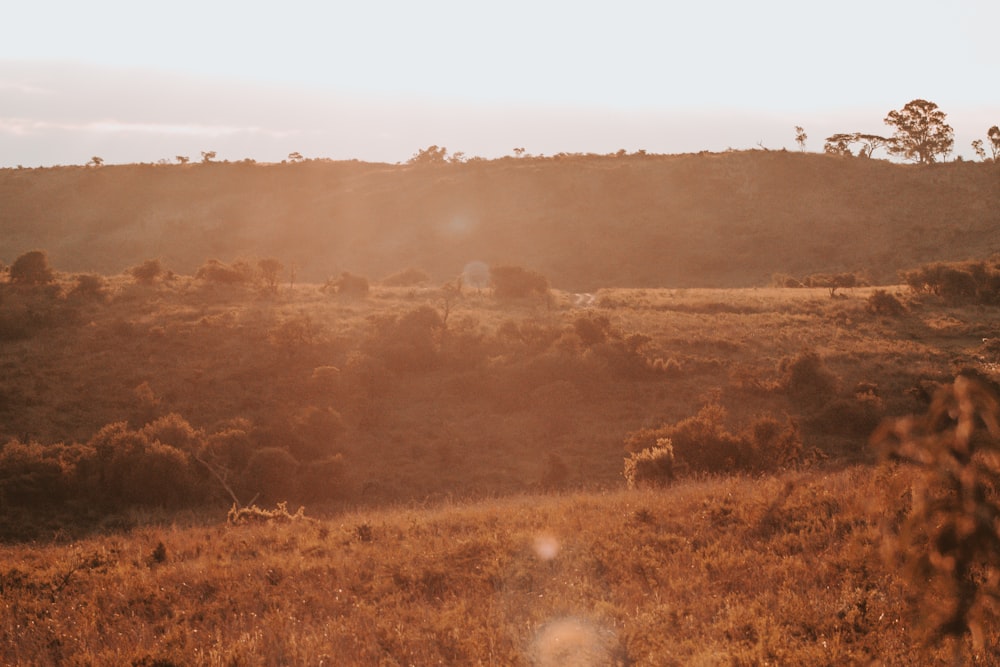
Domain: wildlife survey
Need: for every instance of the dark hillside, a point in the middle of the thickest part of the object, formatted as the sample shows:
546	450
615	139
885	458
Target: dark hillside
715	220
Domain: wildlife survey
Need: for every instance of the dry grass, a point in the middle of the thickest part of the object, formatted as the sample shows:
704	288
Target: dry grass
736	571
439	548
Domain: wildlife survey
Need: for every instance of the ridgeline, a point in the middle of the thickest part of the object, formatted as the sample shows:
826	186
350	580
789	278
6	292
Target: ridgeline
585	221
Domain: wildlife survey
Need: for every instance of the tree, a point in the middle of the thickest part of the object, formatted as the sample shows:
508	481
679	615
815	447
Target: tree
31	268
182	159
430	155
977	146
207	156
921	132
994	136
800	137
295	156
95	161
840	144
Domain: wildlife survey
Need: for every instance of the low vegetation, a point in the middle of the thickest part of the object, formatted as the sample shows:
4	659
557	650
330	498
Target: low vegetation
218	463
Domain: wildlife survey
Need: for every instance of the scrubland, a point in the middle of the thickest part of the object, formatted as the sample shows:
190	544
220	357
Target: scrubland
225	462
460	461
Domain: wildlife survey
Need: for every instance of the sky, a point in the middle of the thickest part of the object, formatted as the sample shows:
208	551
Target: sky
378	80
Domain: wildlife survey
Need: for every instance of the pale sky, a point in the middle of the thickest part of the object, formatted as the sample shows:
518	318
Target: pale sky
379	79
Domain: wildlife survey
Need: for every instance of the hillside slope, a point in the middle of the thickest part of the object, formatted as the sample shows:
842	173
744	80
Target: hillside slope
713	220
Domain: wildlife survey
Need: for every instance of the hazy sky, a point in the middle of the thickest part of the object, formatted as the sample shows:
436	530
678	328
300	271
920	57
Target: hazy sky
378	79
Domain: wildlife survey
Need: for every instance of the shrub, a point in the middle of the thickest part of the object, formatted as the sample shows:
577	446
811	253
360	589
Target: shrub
89	287
324	479
770	444
237	273
31	474
231	446
147	272
406	278
410	342
880	302
348	285
242	516
702	443
514	282
31	268
270	474
592	330
316	432
129	469
174	430
808	381
653	466
945	538
958	282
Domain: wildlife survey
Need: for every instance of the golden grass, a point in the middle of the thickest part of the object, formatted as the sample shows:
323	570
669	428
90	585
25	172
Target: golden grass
737	571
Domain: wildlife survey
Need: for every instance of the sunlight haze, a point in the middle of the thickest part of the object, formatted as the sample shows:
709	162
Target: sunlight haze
380	80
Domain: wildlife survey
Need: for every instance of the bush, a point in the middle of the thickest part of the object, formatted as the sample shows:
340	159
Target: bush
31	268
147	272
703	444
324	479
237	273
129	469
944	539
653	466
316	432
270	475
514	282
32	475
958	282
89	287
348	285
407	278
882	303
808	381
174	430
411	342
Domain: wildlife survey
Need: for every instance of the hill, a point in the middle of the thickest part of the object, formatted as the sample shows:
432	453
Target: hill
585	221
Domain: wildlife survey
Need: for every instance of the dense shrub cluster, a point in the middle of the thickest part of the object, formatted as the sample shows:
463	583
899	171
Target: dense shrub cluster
958	282
409	342
147	272
238	272
347	285
26	309
702	443
515	282
167	463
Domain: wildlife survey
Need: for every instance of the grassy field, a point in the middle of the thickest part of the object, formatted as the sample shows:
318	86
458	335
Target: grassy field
588	473
736	571
477	514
